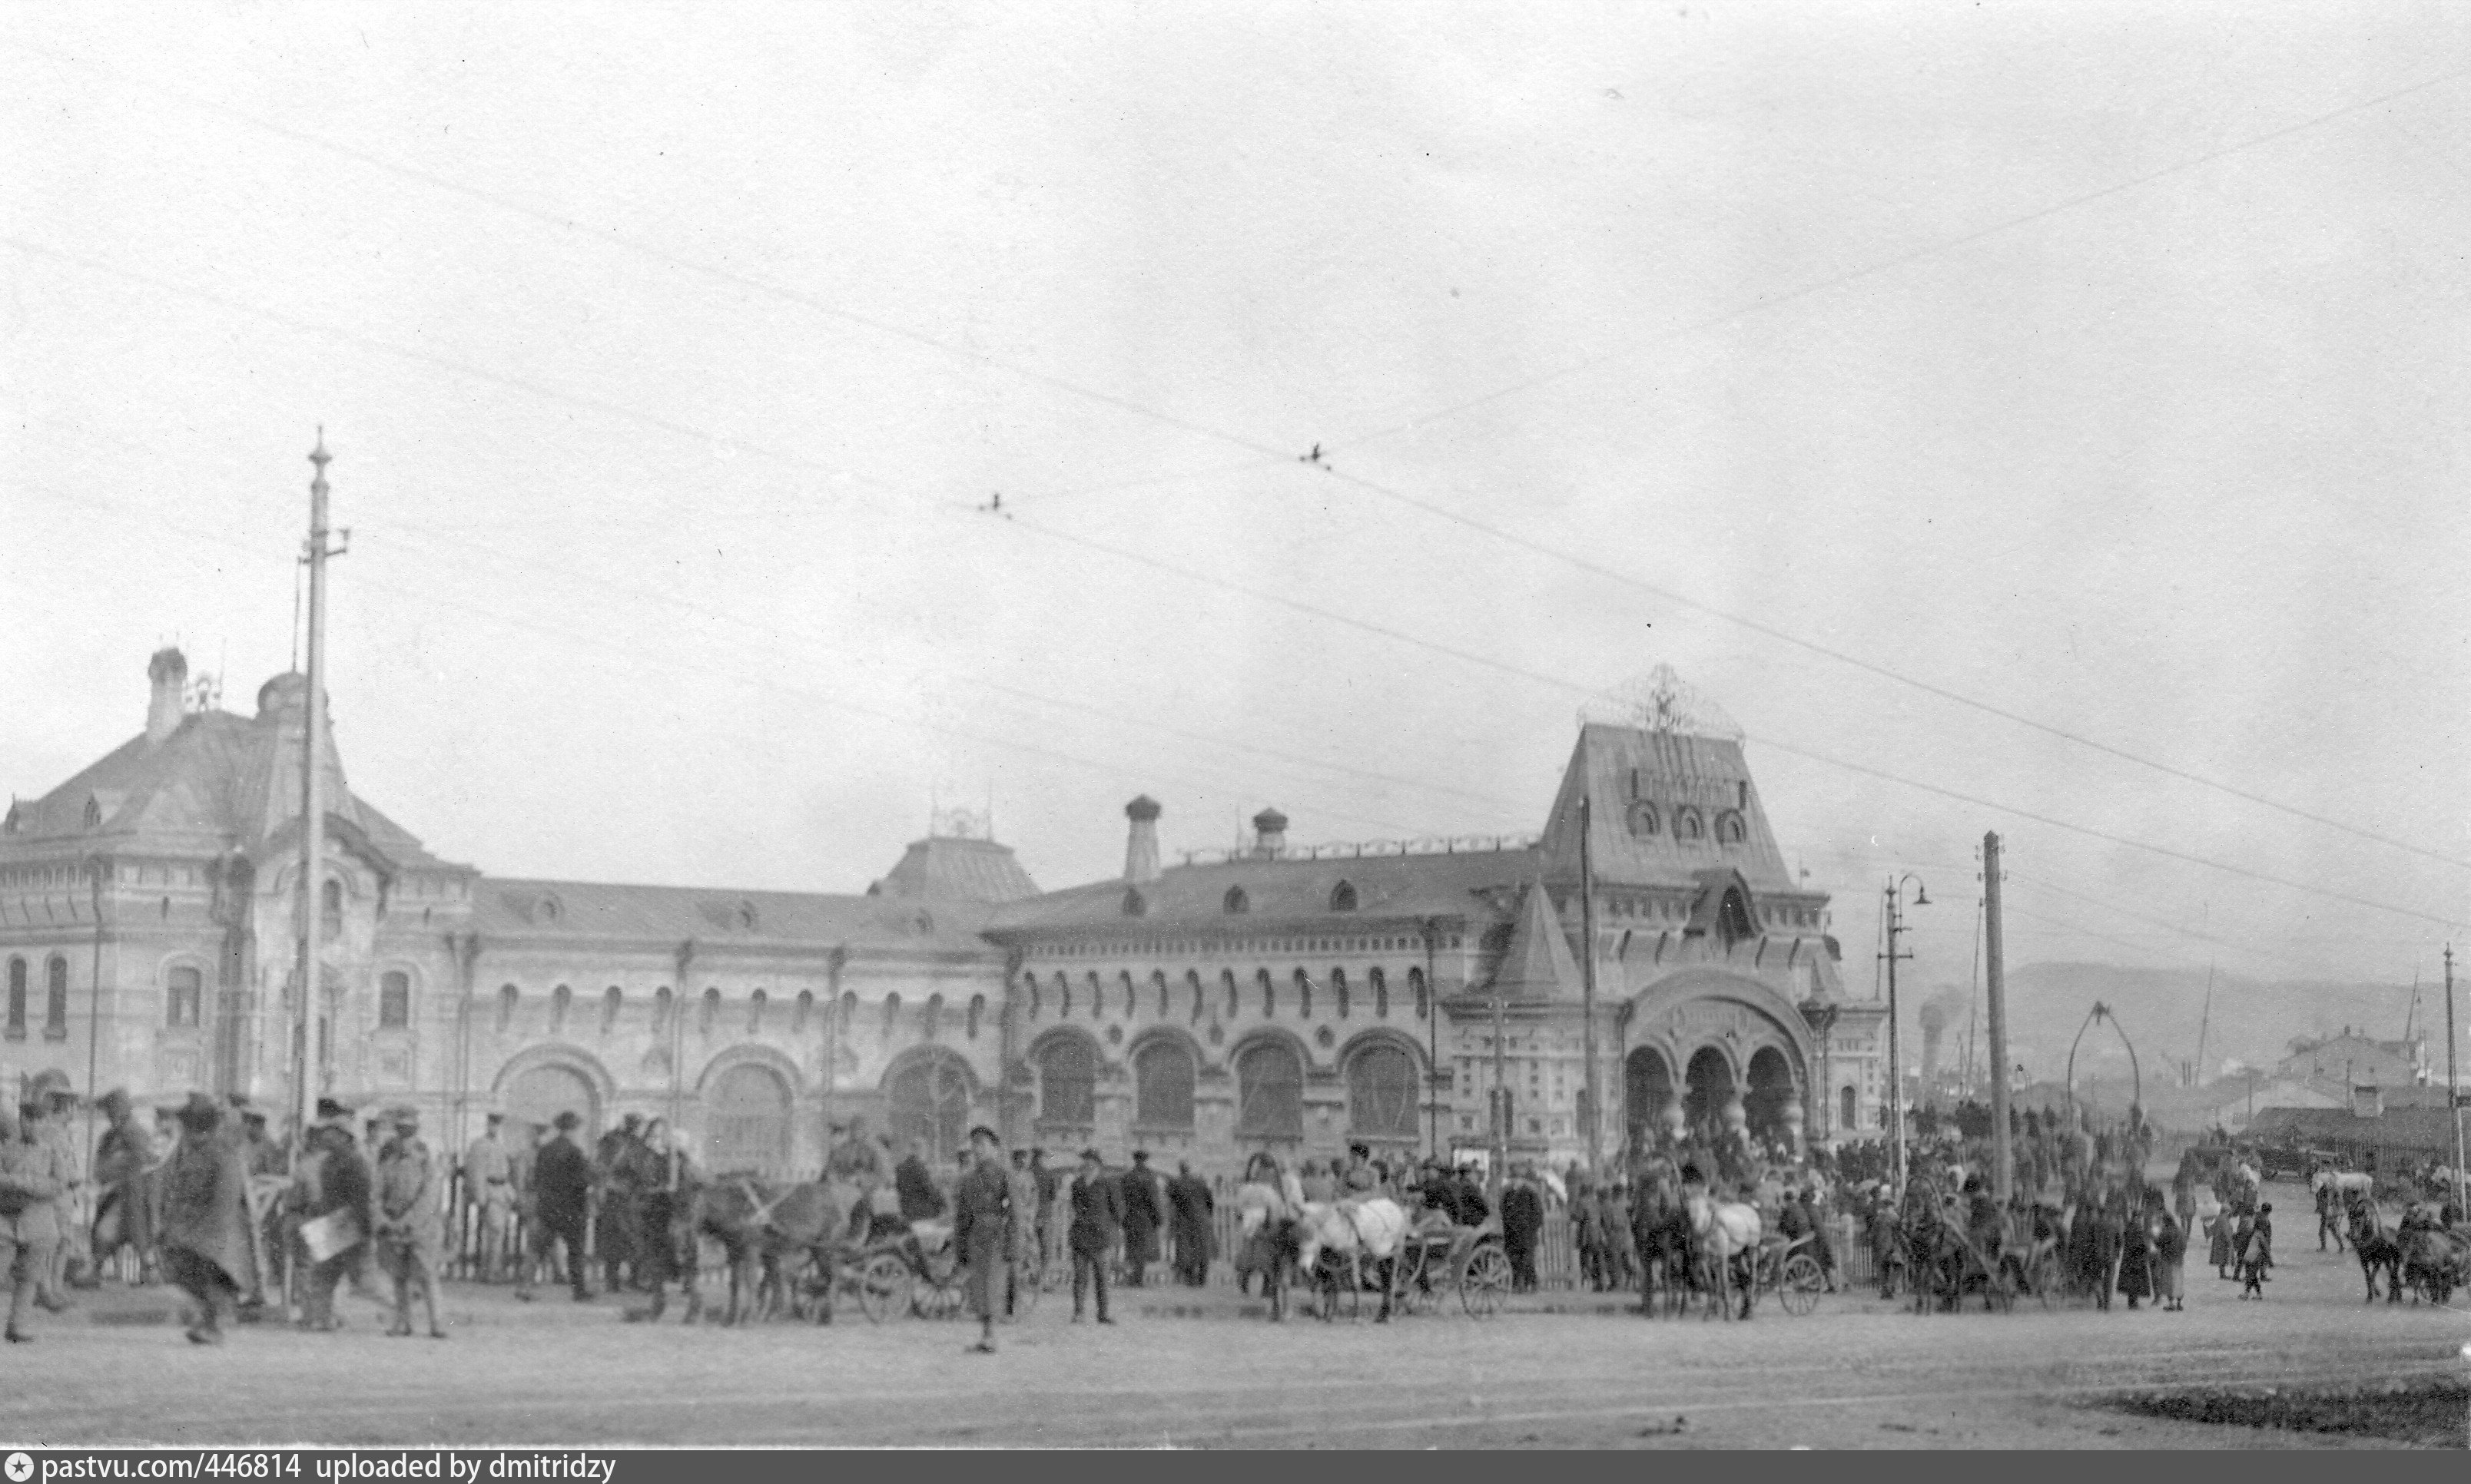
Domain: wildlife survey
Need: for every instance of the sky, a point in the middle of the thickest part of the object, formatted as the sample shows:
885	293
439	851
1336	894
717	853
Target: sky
2022	417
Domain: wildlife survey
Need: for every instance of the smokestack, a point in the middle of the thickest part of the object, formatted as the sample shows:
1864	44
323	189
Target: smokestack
1934	1018
1270	834
169	670
1141	845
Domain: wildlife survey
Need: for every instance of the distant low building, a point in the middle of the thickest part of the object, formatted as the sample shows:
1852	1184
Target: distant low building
2352	1059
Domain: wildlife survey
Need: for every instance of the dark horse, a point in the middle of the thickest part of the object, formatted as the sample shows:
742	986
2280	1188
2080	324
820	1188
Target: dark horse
2376	1248
757	1227
1660	1228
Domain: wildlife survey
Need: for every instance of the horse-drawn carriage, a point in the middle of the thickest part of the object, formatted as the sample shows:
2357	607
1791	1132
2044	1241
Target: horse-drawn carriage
1469	1260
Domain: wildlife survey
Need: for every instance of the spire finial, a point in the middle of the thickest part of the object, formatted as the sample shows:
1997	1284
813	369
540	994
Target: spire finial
321	459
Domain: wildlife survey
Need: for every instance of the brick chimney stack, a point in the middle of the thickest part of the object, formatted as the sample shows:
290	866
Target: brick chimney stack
169	670
1141	846
1270	834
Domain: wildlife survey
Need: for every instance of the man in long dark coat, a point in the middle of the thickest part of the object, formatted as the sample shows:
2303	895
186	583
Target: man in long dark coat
915	1184
1189	1194
562	1199
335	1183
1145	1212
1098	1221
1522	1223
206	1231
982	1231
123	1212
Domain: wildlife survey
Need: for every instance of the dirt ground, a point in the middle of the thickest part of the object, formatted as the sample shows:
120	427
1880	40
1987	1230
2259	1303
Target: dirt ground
1181	1372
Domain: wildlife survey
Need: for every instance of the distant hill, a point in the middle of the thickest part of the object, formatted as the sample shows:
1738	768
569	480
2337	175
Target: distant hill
2160	1010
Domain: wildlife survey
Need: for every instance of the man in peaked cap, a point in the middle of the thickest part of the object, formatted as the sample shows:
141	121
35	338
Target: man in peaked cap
1145	1212
981	1213
1097	1221
489	1180
409	1217
562	1191
124	1216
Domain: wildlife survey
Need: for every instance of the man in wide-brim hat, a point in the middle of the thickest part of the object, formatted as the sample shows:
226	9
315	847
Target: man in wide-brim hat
205	1234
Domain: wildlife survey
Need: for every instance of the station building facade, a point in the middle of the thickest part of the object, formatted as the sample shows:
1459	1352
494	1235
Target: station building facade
1288	998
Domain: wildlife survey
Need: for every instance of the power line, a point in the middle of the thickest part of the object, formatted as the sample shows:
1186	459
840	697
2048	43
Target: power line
687	430
819	306
1890	265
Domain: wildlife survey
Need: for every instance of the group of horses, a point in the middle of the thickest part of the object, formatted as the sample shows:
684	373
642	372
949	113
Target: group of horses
2413	1251
1689	1244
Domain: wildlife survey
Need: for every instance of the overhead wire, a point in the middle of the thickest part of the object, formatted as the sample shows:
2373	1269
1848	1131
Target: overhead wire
818	304
617	410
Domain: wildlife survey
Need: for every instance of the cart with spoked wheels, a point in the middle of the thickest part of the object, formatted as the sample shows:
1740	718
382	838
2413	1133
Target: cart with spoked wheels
1470	1259
937	1292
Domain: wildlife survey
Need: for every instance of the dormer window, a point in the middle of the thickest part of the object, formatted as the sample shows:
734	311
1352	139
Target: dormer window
94	814
1730	828
745	919
548	909
1342	898
1136	905
1642	819
1237	901
1688	825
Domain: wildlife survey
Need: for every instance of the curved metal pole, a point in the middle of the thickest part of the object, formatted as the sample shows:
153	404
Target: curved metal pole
2102	1012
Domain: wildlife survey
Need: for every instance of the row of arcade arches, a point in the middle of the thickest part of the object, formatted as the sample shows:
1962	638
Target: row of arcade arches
1382	1076
1768	1090
1194	999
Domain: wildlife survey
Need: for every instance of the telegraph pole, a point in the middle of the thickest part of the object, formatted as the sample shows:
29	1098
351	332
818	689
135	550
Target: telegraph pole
1896	1055
2003	1157
1588	990
1500	1104
313	807
2453	1088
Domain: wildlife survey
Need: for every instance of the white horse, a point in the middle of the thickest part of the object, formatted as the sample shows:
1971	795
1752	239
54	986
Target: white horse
1266	1240
1722	1231
2342	1182
1363	1235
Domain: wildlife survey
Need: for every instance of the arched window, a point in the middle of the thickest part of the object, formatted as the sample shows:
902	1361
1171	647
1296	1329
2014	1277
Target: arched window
56	1000
1135	904
755	1003
1158	977
1163	1087
1064	997
805	1013
508	995
330	921
1687	825
748	1129
1269	996
930	1104
1642	819
1270	1092
931	1020
1380	996
1227	978
561	1000
1304	994
1068	1083
16	999
1338	990
891	1014
977	1008
848	1025
394	1000
1381	1093
1097	997
1846	1110
612	999
1342	898
662	1002
1237	901
710	1015
1416	987
1193	977
1730	828
1131	1007
1733	917
183	989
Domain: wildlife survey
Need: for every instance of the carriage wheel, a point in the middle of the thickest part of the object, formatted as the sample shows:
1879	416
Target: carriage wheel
1485	1281
1799	1288
1415	1270
938	1300
882	1286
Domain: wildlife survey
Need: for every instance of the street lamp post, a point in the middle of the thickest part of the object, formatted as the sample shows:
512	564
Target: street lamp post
1896	1059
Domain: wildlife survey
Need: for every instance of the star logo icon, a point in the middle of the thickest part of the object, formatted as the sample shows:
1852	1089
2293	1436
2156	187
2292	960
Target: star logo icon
21	1469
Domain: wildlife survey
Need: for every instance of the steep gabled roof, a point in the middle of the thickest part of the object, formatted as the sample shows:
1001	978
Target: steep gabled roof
1537	967
1286	890
1645	791
946	869
721	918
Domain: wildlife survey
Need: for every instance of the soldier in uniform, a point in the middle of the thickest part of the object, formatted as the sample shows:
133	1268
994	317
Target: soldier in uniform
408	1216
205	1233
32	1180
1144	1214
562	1196
56	1100
855	1159
982	1231
124	1210
488	1186
1098	1221
614	1166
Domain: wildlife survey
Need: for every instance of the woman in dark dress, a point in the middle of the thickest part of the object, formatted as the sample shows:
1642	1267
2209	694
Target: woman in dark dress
2136	1256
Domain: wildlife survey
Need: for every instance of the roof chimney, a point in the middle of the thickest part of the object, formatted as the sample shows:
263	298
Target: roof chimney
1270	837
1141	846
169	670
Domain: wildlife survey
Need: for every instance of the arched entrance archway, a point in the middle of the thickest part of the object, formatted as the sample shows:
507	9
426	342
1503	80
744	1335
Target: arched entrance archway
748	1125
931	1102
1647	1086
1770	1094
1708	1084
538	1095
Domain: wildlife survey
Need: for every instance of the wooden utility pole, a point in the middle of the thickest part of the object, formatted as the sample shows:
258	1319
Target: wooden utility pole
1588	990
2003	1148
2453	1088
313	810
